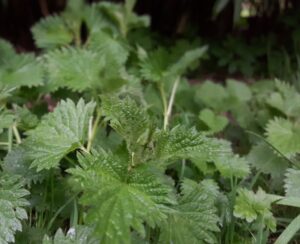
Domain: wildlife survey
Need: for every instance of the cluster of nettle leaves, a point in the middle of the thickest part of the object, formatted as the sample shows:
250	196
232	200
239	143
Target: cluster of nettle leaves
132	153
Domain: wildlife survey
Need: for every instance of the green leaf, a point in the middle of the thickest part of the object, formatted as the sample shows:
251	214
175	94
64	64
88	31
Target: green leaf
127	119
51	32
183	143
229	164
263	158
17	162
214	122
289	232
6	119
284	135
75	235
120	198
188	58
12	203
292	183
206	94
194	219
76	69
286	99
251	206
238	90
20	70
113	49
59	133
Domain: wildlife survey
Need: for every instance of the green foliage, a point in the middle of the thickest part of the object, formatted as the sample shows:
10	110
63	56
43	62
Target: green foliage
127	198
194	219
51	32
215	123
149	157
12	203
18	70
66	129
292	183
284	135
75	235
254	206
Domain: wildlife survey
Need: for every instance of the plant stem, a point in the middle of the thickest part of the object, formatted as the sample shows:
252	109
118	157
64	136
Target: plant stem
164	101
93	131
16	134
10	139
168	106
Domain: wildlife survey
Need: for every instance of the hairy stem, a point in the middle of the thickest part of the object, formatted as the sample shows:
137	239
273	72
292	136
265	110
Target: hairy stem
164	102
171	102
93	131
16	134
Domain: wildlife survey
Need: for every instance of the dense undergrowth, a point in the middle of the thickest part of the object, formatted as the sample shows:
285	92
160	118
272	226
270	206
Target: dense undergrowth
104	140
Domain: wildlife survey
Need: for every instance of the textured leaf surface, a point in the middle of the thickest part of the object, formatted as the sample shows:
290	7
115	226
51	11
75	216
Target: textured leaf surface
194	219
51	32
76	69
119	197
292	183
12	203
284	136
59	133
18	70
250	206
286	99
263	158
128	119
75	235
183	143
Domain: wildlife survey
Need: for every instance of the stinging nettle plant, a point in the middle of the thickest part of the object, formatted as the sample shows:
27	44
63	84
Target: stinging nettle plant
103	140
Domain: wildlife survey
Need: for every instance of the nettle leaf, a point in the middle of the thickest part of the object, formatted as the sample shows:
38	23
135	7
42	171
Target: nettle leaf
75	235
160	66
51	32
120	198
128	119
154	66
111	47
229	164
286	99
251	206
17	162
12	203
59	133
183	143
123	16
292	183
214	122
187	59
18	70
284	135
194	219
6	119
76	69
263	158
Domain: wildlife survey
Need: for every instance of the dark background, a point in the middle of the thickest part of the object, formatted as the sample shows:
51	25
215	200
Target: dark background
169	17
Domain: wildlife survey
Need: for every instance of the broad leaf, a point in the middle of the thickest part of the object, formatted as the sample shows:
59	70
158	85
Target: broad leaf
119	197
59	133
251	206
12	203
284	135
51	32
75	235
194	219
292	183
